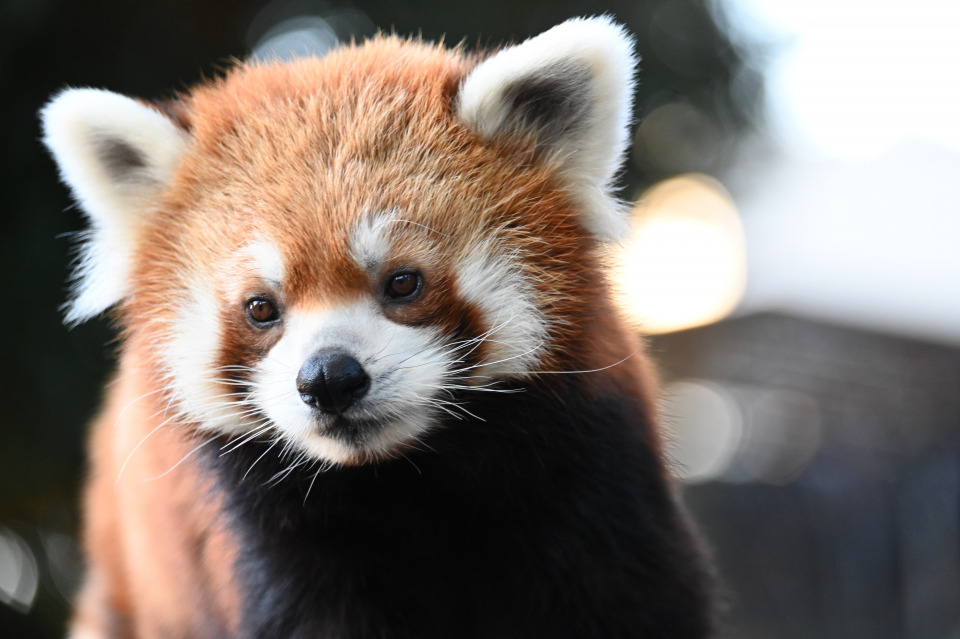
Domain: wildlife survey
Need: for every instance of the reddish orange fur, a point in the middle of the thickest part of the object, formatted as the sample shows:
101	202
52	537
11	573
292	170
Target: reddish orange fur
156	537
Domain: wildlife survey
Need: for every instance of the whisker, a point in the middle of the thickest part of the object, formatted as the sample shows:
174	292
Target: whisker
250	436
126	461
182	459
405	221
262	455
314	479
594	370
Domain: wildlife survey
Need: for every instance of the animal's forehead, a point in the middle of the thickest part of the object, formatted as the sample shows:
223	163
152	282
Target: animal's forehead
369	84
306	153
331	138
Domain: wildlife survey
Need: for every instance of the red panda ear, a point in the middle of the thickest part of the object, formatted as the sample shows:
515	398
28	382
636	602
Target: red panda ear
116	154
570	87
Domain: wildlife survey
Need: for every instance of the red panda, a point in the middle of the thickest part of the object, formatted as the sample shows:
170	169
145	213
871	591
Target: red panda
371	383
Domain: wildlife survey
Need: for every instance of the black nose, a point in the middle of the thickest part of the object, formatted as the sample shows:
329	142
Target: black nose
332	381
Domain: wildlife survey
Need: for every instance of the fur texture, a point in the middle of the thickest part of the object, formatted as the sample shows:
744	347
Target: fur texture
371	383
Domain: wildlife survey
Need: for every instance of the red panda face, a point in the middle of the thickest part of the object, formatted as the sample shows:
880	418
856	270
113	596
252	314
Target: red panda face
330	252
358	361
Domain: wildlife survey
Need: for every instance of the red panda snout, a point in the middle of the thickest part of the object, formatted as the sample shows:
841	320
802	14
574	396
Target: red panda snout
331	381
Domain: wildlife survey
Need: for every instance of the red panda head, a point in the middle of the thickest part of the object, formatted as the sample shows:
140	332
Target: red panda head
328	251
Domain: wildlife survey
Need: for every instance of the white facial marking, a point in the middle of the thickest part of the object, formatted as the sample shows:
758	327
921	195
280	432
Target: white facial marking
204	394
370	240
408	367
516	328
190	355
265	260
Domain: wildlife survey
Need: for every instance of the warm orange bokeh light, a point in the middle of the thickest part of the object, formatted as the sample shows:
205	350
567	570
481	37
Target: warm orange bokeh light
684	264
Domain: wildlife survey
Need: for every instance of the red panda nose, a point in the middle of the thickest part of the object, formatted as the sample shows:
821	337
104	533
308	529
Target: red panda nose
332	381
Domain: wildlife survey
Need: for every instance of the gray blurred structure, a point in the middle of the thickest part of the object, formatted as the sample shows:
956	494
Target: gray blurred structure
865	540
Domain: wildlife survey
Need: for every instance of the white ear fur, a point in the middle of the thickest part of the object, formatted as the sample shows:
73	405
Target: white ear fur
572	87
115	154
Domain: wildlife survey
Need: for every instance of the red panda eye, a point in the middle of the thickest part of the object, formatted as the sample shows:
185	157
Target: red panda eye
403	285
262	311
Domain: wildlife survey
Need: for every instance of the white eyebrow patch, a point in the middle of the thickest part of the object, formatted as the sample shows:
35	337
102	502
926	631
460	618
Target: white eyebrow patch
370	240
265	260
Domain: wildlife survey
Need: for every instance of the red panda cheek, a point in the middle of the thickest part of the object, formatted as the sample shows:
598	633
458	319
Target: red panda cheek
515	330
462	322
438	305
442	308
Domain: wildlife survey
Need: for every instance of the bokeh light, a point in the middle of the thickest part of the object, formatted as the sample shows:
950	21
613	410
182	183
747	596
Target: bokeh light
684	264
853	80
781	435
704	425
19	575
289	29
740	433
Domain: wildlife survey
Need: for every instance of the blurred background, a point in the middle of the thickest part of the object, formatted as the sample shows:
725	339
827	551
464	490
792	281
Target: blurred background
795	259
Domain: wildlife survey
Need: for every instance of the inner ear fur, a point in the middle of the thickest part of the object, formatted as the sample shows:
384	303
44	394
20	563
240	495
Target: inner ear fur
570	89
116	154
